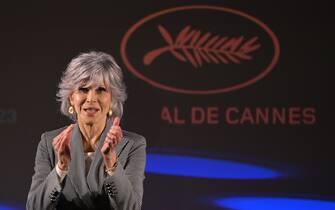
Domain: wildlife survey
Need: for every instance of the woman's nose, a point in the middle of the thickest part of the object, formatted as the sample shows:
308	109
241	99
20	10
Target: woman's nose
91	96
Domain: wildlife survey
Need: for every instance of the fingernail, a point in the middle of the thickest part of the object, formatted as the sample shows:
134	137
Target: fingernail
116	121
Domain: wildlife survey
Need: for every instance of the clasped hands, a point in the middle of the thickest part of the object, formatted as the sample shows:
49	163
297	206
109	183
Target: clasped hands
62	146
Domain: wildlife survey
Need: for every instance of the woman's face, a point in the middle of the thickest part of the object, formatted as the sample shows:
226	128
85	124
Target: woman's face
91	103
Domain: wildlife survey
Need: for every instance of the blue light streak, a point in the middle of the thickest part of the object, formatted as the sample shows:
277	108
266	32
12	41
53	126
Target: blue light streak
198	167
7	207
274	203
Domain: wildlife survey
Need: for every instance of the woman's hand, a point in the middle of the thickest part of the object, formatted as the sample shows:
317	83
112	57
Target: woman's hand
61	144
113	137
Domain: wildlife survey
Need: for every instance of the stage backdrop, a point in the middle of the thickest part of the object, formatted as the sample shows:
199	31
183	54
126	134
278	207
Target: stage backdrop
233	97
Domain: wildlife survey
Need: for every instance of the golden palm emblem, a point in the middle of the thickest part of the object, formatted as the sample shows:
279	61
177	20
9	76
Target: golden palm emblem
196	47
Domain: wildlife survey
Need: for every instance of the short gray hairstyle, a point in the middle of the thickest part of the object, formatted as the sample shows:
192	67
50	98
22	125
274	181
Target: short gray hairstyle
92	67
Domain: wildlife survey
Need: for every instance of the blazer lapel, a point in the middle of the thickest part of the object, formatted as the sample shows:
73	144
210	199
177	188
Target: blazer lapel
77	167
96	174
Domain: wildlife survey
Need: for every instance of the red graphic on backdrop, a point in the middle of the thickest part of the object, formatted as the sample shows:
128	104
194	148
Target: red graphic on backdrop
238	42
195	47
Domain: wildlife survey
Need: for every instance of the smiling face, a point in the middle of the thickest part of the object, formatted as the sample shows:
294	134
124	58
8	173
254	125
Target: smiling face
91	102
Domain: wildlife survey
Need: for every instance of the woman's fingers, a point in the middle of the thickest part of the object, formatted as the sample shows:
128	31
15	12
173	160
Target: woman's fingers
105	147
68	136
116	129
62	147
64	154
114	135
111	135
116	121
116	126
57	140
111	140
109	144
115	132
62	141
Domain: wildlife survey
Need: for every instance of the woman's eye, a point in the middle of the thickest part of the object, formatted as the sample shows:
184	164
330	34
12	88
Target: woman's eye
101	89
83	90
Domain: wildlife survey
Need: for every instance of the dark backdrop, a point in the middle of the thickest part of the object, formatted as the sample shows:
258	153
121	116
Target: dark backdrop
38	41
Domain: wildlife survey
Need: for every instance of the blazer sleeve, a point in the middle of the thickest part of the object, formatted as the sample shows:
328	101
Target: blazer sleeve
45	187
125	187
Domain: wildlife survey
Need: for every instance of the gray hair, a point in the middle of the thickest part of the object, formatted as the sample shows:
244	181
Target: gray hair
92	67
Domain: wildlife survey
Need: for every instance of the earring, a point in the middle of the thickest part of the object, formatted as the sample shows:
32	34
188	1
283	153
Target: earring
110	112
71	109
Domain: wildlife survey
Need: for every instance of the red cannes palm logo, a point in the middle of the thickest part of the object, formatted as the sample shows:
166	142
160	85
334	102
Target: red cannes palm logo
196	47
200	49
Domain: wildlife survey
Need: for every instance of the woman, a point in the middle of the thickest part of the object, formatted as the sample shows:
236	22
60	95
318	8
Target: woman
91	164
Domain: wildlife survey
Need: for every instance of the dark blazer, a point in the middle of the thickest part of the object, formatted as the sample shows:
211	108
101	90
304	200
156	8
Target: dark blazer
97	190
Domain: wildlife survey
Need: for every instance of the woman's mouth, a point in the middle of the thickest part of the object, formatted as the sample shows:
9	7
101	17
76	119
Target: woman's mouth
91	111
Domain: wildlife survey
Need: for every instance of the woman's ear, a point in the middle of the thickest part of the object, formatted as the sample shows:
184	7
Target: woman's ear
71	99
